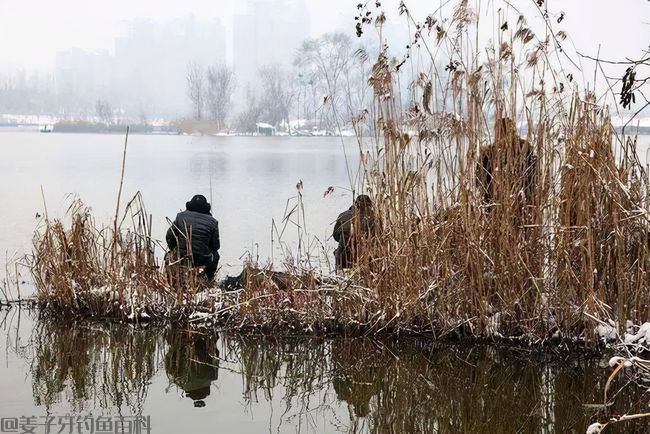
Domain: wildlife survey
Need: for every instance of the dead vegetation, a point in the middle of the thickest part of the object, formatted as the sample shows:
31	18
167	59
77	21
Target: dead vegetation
482	230
102	271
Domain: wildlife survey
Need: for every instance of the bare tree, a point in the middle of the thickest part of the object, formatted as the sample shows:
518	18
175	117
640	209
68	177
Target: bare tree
249	116
221	86
278	92
20	94
196	89
103	111
324	63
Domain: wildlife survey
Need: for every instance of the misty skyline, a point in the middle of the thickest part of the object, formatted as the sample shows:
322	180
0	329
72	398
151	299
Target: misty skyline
41	29
146	71
136	56
34	31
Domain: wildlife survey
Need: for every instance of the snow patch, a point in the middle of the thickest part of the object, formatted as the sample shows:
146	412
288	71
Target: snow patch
642	336
200	315
615	361
595	428
607	331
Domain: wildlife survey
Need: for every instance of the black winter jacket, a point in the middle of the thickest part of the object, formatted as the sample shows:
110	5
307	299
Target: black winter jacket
203	230
343	227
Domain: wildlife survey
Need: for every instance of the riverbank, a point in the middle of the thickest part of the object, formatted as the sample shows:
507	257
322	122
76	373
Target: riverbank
203	322
89	271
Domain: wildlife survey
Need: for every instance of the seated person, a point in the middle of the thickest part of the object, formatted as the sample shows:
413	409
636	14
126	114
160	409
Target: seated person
508	167
194	234
356	221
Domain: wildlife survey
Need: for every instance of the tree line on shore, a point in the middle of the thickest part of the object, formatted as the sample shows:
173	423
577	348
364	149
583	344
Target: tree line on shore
324	88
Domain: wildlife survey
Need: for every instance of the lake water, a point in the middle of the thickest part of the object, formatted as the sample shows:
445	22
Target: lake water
200	383
192	382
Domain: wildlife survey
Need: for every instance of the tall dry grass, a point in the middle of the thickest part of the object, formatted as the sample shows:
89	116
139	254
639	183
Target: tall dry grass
576	241
480	228
92	269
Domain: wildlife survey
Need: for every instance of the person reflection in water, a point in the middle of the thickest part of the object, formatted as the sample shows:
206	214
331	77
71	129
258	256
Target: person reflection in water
351	225
192	363
194	235
359	373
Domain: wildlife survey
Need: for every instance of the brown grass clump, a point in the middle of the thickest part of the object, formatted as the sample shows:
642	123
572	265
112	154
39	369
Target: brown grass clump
95	270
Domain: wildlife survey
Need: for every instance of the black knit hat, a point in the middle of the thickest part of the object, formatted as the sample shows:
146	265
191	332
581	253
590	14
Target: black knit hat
198	204
363	202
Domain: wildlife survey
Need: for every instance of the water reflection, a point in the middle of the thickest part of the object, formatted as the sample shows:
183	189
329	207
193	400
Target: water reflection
339	385
357	373
192	362
107	367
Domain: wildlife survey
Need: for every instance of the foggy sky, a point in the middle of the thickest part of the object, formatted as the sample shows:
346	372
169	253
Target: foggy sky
32	31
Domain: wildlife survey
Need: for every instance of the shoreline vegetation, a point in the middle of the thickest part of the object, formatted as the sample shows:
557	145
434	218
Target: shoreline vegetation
178	127
480	232
185	127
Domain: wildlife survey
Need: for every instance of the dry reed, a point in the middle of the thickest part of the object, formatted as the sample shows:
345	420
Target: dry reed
96	270
482	230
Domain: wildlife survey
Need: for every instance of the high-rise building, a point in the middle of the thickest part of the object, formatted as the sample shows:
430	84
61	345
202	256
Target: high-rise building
151	60
81	77
147	74
267	32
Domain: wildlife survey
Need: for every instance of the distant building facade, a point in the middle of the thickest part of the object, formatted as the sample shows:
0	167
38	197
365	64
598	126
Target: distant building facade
81	77
151	60
267	32
148	70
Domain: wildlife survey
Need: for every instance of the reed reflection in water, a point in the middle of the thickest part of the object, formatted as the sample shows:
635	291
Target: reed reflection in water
320	385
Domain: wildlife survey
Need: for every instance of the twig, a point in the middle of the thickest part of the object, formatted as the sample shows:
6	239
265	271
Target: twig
119	192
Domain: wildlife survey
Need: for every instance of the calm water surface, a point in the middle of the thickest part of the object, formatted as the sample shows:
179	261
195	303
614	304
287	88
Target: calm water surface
191	382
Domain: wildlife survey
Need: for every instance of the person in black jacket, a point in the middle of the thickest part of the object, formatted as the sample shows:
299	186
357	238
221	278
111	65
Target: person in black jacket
194	234
350	225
